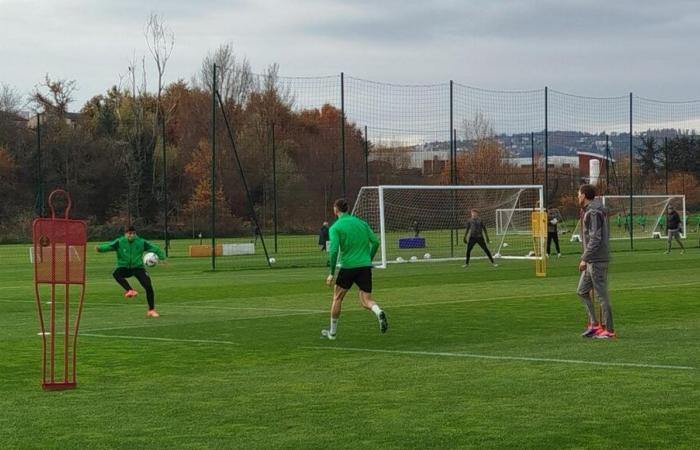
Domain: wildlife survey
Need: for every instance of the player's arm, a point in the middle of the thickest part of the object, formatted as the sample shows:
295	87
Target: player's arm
466	232
373	243
333	250
107	247
596	236
486	233
147	246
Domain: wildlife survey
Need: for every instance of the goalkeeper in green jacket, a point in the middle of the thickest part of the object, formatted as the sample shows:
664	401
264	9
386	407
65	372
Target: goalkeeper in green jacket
130	249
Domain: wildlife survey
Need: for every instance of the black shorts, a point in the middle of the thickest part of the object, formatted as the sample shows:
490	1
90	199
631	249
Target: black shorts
361	276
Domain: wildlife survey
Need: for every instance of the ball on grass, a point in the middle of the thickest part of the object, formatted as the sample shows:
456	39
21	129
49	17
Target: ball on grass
400	259
414	258
426	256
505	244
272	260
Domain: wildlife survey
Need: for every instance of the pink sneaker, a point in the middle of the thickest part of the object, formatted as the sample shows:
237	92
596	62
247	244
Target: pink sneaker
152	313
605	334
130	293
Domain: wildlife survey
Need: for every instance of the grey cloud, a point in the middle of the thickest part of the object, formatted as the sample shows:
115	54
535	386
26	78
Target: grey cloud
394	22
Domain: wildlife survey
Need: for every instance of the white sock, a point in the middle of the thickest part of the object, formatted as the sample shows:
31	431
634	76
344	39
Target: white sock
334	325
376	310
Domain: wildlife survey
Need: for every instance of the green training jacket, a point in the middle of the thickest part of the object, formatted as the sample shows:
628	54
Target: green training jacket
130	253
356	242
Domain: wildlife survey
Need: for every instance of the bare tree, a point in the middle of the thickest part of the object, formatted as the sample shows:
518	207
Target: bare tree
234	78
478	128
160	40
10	99
59	95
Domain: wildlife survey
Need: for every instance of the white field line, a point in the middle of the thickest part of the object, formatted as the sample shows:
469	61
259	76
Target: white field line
267	316
506	358
146	338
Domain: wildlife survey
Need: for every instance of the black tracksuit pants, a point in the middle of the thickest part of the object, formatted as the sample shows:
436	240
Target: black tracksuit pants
470	245
122	273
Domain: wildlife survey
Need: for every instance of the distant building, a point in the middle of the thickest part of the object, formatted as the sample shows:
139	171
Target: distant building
70	118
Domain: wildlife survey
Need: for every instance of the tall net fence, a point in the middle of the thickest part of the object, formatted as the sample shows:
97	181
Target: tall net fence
303	142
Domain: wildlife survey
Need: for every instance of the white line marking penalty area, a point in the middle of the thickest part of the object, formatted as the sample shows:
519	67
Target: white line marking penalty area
506	358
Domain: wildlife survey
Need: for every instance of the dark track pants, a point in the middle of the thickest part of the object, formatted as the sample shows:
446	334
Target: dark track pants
482	244
122	273
553	236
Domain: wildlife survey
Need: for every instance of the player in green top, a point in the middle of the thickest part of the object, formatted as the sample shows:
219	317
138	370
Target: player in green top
357	244
642	221
130	249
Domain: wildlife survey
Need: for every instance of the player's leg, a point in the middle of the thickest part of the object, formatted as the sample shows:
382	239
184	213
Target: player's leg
669	241
145	281
555	237
677	236
120	274
599	278
343	282
364	282
485	248
470	246
585	284
549	242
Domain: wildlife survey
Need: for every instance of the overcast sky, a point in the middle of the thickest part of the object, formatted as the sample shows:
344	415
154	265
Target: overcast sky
597	48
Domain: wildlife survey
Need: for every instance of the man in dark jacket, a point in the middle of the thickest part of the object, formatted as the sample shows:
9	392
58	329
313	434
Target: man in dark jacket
130	249
594	264
323	236
475	233
552	232
674	228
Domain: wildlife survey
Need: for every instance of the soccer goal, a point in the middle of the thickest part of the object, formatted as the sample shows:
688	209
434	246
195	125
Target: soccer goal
646	219
427	223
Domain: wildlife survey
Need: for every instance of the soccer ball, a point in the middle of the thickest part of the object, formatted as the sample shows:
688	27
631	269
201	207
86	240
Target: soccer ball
400	259
150	259
505	244
414	258
426	256
272	260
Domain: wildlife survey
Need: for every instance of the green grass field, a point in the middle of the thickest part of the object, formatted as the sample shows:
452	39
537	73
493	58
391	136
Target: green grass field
482	358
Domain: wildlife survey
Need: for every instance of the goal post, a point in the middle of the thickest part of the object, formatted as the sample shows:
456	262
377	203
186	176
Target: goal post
427	223
647	217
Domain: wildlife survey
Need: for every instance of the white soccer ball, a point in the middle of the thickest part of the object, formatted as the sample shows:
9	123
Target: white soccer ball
414	258
150	259
531	253
272	260
426	256
554	221
497	255
400	259
505	244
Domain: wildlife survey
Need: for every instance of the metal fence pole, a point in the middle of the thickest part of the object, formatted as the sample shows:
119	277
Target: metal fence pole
342	133
274	184
366	157
165	182
666	162
631	183
213	169
453	167
532	157
546	147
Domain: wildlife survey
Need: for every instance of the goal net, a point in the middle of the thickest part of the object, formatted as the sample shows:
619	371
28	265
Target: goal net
645	219
427	223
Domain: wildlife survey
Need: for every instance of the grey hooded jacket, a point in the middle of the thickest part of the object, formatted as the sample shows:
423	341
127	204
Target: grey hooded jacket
595	233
